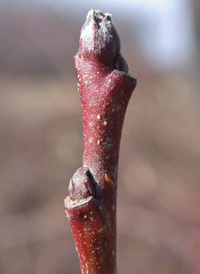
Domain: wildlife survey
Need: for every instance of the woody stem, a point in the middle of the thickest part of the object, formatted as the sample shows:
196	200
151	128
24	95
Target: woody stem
105	89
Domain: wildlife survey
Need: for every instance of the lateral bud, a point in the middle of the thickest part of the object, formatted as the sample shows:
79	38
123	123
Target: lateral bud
81	185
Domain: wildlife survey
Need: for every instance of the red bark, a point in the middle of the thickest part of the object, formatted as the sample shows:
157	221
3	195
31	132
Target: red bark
105	88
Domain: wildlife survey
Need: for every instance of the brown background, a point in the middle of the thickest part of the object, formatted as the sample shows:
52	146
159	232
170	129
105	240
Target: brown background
41	147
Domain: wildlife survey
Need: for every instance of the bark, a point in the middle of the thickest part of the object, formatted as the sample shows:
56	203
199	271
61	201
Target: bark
105	88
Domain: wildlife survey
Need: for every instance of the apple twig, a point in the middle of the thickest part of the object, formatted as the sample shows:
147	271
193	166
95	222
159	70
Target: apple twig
105	88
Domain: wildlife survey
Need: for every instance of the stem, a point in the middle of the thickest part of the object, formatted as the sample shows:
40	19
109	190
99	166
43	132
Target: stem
105	88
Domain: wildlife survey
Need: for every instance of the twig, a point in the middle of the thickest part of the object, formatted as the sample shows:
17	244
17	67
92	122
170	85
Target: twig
105	88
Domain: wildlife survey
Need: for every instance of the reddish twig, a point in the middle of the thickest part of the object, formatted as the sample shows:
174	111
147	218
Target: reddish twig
105	89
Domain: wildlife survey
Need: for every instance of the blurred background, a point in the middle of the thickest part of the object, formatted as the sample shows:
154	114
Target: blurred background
41	135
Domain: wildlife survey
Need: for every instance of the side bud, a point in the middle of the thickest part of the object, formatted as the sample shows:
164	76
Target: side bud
81	185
